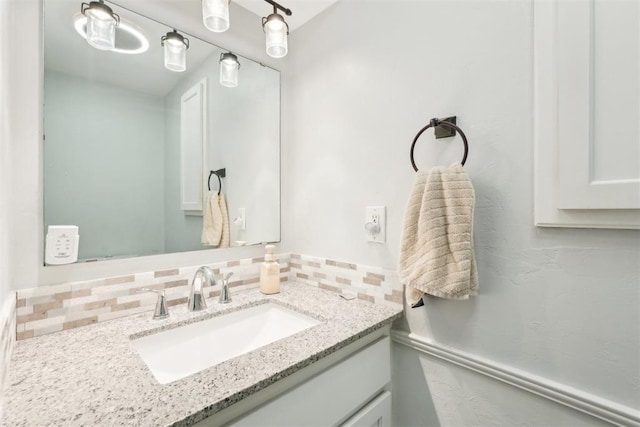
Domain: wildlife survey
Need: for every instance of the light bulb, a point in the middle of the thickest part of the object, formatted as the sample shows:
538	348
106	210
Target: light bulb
175	51
101	25
215	15
229	67
276	31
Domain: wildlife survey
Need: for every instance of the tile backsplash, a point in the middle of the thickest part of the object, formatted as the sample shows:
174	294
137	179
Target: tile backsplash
7	337
372	284
48	309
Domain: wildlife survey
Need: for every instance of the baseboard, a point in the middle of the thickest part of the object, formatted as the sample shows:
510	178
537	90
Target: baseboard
595	406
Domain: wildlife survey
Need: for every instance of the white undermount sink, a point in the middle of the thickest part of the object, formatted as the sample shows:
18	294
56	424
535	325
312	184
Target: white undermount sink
180	352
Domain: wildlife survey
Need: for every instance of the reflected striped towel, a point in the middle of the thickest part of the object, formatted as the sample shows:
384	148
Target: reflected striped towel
224	235
436	253
215	221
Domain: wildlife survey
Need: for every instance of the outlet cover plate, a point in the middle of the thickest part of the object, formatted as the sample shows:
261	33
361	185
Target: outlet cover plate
375	216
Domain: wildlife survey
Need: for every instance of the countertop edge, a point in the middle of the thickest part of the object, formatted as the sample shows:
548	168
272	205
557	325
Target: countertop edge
266	382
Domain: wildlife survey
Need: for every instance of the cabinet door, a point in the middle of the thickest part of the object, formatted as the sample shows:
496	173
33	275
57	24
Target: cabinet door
598	104
193	137
332	395
587	113
376	413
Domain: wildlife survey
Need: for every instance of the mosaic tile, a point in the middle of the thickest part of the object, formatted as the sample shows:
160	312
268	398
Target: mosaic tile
164	273
49	309
8	336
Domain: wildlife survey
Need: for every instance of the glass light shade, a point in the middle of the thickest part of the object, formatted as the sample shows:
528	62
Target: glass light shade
101	26
215	15
229	67
175	51
276	31
137	40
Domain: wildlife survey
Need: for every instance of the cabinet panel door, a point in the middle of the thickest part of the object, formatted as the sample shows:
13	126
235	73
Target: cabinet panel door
332	395
598	72
193	137
587	113
377	413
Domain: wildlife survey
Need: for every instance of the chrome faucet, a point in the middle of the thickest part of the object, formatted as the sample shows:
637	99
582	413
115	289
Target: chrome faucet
224	292
161	311
197	300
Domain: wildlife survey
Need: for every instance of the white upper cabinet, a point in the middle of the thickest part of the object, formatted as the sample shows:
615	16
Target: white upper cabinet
193	137
587	113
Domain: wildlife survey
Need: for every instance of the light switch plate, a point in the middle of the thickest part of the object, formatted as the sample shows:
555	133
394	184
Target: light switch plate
375	224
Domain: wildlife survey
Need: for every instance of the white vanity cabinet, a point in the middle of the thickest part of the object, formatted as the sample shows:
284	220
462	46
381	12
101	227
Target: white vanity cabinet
351	389
333	395
376	413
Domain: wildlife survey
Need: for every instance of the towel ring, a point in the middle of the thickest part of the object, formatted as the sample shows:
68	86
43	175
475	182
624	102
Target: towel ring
437	122
220	173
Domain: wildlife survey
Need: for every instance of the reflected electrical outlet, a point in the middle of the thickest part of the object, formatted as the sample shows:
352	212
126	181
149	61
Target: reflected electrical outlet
240	221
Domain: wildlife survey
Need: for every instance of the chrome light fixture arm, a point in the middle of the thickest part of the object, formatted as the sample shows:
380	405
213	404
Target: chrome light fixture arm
175	36
277	6
99	5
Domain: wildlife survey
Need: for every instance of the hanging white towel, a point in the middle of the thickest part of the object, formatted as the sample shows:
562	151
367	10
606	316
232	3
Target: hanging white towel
212	221
224	235
436	253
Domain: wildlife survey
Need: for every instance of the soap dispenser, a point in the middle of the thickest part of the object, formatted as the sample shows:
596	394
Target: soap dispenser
270	273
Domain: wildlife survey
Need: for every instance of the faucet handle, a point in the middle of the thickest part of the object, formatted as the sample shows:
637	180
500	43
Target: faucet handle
225	297
161	311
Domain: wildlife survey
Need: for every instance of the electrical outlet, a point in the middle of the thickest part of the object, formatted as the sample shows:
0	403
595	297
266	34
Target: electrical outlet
375	224
241	220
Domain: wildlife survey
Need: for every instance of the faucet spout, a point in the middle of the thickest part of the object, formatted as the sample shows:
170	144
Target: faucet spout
203	277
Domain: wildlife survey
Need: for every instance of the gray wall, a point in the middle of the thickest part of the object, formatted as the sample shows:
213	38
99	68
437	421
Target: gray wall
103	165
559	303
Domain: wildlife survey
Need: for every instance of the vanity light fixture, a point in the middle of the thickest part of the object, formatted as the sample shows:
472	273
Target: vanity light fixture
215	15
101	24
131	39
175	51
276	31
229	66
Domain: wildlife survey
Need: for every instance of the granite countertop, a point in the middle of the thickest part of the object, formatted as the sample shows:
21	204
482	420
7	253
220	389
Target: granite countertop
93	376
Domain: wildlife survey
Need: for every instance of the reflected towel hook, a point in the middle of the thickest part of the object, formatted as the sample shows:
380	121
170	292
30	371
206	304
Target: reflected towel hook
436	124
220	173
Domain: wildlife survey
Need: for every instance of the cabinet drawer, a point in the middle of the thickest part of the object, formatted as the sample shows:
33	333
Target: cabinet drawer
330	396
377	413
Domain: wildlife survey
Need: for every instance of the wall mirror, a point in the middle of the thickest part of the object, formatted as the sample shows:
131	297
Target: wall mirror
120	161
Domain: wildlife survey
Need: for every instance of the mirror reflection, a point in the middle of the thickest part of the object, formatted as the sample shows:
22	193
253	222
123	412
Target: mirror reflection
130	144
